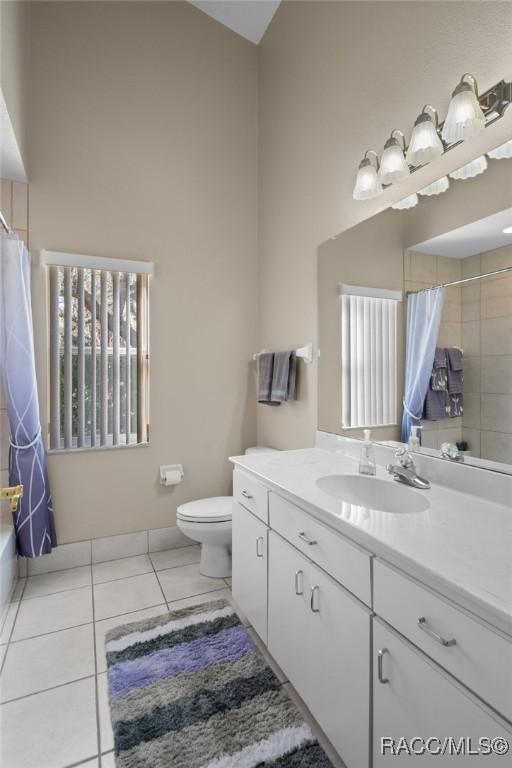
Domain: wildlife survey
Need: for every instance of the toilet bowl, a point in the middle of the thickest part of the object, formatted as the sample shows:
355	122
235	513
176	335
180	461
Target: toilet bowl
208	521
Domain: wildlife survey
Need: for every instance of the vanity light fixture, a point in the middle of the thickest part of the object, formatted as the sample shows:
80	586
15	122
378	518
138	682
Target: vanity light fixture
507	231
470	170
425	144
436	188
465	116
393	165
408	202
367	184
503	152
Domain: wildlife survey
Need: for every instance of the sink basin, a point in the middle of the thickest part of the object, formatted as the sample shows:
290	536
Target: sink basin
373	493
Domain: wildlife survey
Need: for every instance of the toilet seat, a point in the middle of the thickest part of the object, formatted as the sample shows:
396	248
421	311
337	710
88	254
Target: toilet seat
217	509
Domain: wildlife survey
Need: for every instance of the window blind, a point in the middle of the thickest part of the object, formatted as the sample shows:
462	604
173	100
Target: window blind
368	356
98	357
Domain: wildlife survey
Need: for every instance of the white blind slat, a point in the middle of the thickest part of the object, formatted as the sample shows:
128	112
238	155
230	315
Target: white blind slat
54	359
80	405
104	359
68	360
115	361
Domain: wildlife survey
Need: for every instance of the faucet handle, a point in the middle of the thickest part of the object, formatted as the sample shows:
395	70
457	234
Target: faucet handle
404	458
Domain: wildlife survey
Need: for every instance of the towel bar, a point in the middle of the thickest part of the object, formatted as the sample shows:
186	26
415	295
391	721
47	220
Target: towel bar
304	353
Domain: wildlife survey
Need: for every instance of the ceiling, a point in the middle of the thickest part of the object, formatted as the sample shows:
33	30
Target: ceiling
249	18
11	164
477	237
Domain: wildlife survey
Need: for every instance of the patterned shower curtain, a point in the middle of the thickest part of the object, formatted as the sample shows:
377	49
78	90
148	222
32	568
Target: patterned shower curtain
33	521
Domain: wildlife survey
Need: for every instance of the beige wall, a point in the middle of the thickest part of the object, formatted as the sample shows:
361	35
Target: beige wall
335	79
143	144
14	206
14	65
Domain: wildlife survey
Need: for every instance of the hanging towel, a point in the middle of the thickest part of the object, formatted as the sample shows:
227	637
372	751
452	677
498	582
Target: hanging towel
435	406
439	377
456	404
283	378
265	372
455	371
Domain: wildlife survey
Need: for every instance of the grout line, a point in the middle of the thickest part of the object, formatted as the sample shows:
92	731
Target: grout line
52	632
45	690
84	762
96	690
159	584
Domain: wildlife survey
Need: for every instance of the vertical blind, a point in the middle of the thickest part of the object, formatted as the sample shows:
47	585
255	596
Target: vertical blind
98	357
368	356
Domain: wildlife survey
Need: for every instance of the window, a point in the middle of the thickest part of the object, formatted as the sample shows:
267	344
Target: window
368	356
98	351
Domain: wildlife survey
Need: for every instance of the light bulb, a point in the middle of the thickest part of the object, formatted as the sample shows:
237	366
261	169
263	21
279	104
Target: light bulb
367	184
407	202
465	117
393	165
470	170
507	231
425	144
436	188
503	152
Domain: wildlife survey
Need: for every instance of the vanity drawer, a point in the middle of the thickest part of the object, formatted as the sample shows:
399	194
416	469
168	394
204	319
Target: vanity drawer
480	657
250	494
345	562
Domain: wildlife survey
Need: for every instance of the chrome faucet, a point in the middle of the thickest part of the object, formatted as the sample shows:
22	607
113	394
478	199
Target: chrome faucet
404	471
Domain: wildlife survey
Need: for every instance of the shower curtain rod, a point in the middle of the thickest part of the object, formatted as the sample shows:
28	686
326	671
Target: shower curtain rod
460	282
4	223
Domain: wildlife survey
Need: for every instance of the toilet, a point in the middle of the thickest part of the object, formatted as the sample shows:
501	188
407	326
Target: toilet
208	521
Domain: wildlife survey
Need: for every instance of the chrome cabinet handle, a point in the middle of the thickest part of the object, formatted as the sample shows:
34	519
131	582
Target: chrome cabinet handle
259	552
380	659
246	494
299	574
304	537
312	602
422	624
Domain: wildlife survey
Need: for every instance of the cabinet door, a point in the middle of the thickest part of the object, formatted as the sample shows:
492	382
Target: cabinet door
249	567
321	639
419	700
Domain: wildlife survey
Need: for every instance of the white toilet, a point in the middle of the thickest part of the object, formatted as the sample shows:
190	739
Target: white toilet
208	521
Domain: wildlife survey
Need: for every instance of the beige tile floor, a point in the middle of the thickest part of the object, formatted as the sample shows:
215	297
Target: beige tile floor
53	686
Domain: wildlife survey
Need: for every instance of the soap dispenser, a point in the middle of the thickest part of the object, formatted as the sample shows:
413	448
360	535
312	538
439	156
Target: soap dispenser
414	443
367	464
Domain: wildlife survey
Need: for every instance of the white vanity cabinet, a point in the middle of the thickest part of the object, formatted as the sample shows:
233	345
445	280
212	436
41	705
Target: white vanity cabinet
320	636
249	567
413	699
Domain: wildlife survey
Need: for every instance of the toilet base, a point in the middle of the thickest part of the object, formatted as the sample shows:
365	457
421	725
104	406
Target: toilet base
215	561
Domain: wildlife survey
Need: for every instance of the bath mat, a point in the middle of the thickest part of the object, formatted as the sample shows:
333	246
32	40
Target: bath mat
189	689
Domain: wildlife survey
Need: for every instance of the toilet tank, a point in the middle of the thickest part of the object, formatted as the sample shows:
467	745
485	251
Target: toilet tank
259	449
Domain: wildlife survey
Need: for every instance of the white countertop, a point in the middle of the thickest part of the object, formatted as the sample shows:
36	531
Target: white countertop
461	546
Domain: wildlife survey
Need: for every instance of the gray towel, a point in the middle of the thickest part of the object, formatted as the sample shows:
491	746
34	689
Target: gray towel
283	378
435	406
439	376
455	371
456	405
265	373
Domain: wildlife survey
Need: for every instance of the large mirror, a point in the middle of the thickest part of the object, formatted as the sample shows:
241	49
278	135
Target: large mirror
396	350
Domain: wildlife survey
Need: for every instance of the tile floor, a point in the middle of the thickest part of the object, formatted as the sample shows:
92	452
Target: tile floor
53	687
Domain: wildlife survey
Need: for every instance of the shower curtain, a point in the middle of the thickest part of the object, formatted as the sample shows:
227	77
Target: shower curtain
33	520
424	312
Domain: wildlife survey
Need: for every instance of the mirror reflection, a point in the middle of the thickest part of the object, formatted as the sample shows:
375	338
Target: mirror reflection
415	324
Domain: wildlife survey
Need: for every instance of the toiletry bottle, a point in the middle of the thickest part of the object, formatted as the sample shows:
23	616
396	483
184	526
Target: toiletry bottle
367	465
414	443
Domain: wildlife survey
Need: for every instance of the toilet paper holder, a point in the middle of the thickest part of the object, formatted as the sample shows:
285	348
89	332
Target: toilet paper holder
171	474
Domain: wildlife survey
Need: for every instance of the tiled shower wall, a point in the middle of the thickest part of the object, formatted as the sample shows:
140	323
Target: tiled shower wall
423	270
14	206
487	343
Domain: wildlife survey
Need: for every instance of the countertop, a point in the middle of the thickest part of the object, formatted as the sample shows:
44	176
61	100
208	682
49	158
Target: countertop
461	546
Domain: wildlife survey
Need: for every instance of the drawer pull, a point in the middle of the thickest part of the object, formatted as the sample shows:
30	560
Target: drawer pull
246	494
422	624
312	602
259	550
299	590
380	659
304	537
